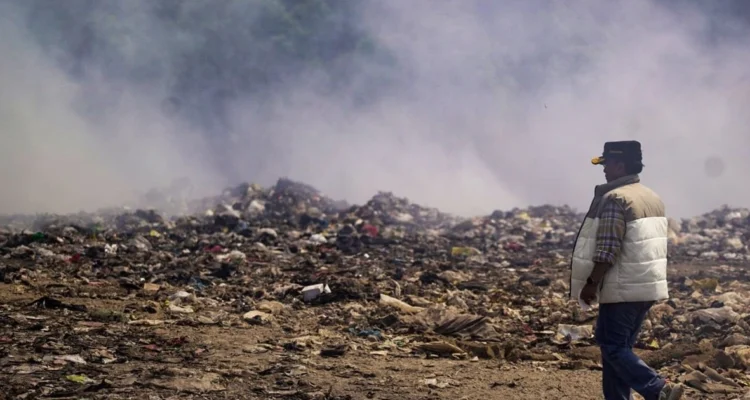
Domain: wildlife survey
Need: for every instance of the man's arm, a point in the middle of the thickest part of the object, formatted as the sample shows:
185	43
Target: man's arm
609	237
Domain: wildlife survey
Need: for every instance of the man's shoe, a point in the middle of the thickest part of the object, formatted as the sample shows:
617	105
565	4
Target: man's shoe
672	392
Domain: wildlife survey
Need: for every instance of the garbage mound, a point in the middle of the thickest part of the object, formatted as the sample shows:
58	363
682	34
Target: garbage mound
89	293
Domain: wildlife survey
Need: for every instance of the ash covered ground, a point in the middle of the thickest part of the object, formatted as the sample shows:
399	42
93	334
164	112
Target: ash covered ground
284	293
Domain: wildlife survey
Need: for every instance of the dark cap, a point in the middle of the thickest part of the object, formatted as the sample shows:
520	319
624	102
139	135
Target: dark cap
627	150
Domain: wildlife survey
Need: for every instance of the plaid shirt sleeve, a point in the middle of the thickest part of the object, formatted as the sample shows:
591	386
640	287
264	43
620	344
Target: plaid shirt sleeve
610	233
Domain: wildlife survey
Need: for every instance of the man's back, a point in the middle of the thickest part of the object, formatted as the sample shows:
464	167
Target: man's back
639	273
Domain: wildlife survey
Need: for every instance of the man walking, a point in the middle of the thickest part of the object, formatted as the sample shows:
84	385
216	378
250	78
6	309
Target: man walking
620	258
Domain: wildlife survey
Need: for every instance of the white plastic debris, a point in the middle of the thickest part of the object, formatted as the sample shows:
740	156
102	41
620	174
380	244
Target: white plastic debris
141	243
74	359
45	253
396	303
575	332
404	217
268	231
318	239
256	207
181	297
180	310
312	292
232	256
257	317
110	249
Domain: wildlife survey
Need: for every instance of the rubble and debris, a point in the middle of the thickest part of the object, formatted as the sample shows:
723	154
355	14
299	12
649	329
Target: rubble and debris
312	292
296	278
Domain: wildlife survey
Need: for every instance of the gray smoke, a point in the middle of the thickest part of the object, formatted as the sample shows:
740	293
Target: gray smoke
482	105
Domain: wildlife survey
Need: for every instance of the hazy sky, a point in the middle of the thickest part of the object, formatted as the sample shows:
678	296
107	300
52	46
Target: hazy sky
500	104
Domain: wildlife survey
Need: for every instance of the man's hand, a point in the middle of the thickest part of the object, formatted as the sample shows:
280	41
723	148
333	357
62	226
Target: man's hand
588	294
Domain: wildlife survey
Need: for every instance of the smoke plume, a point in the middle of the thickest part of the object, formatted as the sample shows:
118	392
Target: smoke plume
471	106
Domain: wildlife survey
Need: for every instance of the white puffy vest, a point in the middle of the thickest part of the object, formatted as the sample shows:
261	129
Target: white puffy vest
639	273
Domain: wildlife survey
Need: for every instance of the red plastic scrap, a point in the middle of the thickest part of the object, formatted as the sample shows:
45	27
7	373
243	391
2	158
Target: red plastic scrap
214	249
370	230
514	246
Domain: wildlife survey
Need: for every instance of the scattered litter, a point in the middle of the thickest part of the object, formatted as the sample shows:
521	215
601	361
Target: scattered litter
312	292
257	317
574	333
257	285
82	379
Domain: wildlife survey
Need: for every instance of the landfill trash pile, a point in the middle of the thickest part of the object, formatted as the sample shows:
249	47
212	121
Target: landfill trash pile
720	235
282	292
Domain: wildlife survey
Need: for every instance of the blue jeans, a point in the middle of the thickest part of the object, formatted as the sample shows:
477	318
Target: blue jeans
616	332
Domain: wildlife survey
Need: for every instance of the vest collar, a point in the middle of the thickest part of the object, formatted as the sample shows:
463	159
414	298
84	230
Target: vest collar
601	190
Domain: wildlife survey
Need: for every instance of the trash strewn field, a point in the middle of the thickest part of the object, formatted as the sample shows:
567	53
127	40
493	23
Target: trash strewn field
282	293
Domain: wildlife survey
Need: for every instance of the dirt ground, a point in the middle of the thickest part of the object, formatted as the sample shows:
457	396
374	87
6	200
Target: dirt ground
224	363
186	360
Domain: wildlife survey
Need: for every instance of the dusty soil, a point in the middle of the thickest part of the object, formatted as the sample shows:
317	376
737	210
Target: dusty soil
241	362
225	362
100	353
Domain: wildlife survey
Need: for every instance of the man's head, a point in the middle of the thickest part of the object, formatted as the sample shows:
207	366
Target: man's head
620	159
